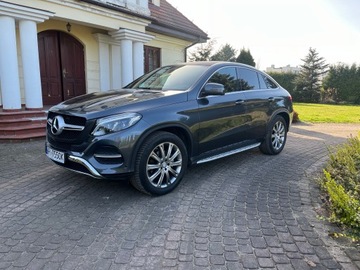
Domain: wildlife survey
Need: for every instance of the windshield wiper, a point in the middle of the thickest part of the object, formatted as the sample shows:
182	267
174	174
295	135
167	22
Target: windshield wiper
149	88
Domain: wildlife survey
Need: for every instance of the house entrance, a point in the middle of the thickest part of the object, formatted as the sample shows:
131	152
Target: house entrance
62	66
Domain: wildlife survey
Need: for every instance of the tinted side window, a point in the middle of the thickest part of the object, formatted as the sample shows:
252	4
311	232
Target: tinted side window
269	83
226	77
262	81
248	79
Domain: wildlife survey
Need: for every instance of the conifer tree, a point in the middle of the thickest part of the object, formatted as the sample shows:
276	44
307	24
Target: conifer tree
245	57
203	52
225	53
308	81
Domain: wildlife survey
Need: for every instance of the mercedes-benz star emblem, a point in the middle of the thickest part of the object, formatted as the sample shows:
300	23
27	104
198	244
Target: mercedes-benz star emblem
58	125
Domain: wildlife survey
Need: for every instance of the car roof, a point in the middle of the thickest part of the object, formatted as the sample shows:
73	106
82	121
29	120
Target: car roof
215	63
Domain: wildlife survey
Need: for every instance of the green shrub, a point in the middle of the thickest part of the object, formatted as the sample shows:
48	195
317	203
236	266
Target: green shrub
345	208
344	166
341	182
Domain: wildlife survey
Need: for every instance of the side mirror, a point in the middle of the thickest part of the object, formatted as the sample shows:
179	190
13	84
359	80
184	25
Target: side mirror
213	89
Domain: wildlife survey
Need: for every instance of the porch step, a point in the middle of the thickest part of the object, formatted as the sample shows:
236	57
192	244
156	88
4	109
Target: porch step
21	114
21	122
24	137
22	125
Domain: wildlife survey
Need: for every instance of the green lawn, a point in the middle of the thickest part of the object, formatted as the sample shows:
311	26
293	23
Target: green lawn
324	113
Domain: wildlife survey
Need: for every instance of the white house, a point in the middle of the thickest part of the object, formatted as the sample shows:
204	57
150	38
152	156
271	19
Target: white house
286	69
53	50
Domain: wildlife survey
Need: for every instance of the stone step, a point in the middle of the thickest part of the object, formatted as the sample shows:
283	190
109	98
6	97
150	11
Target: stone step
21	114
23	129
23	137
22	125
21	121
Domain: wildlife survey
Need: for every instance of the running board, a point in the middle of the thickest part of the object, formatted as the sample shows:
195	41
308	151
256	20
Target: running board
229	153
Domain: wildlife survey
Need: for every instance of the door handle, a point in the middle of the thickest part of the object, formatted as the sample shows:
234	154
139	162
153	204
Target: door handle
271	99
240	101
64	72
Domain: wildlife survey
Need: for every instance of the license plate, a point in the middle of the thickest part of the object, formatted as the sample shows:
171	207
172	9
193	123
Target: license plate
55	155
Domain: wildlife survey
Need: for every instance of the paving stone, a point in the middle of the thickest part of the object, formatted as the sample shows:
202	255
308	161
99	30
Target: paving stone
281	259
300	264
258	242
234	266
186	247
247	211
201	262
216	249
353	254
330	264
262	253
23	260
250	262
305	248
265	262
186	258
231	256
217	260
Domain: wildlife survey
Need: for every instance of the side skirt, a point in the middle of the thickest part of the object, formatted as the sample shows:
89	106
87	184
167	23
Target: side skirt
228	153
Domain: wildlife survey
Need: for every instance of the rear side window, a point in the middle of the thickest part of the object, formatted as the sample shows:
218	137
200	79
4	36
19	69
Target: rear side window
226	77
248	79
266	82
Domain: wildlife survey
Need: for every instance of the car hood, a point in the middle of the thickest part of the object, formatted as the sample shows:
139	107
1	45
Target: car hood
109	102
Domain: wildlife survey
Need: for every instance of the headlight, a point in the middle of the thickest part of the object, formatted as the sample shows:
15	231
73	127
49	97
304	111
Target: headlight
115	123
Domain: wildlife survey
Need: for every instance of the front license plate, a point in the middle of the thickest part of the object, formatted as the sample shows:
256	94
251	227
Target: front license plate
55	155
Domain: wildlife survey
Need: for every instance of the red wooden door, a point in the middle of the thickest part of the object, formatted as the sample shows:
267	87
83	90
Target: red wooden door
50	67
72	66
62	67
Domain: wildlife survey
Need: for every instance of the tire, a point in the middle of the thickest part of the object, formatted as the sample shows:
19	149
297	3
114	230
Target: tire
275	138
160	164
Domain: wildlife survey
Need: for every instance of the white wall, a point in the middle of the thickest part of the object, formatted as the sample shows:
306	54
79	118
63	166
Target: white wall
172	49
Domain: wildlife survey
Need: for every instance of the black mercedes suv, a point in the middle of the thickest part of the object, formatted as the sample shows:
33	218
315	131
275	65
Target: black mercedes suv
163	122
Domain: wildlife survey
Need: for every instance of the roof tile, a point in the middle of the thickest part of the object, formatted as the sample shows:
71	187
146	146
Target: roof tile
167	15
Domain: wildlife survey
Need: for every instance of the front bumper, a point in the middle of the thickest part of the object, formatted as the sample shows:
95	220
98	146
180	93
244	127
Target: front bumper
109	156
92	171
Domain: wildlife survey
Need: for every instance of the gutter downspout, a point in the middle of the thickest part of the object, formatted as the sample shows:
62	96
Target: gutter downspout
186	48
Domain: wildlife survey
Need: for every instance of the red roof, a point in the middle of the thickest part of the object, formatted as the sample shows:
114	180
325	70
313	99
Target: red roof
165	19
170	21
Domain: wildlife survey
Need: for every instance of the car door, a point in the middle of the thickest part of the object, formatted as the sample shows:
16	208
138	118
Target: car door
221	116
258	102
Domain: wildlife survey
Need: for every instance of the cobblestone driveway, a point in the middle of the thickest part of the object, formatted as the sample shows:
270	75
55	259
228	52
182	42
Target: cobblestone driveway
247	211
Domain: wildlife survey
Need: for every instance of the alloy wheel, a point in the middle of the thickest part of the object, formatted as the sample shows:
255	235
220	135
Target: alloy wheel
164	165
278	135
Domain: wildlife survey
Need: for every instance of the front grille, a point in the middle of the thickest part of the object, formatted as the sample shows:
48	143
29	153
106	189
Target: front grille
69	119
69	135
70	139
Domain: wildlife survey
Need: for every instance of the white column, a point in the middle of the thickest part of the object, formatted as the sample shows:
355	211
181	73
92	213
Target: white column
132	53
9	71
126	61
138	59
116	67
31	65
104	61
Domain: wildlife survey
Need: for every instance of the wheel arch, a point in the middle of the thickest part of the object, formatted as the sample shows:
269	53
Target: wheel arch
182	132
285	115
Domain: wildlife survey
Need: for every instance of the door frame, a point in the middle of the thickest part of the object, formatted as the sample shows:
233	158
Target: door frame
55	86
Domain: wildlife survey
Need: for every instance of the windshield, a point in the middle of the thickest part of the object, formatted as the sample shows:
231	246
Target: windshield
170	78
